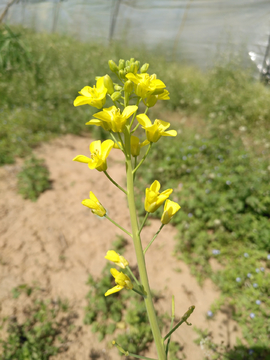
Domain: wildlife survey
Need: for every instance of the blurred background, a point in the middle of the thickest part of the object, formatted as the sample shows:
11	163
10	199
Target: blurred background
214	57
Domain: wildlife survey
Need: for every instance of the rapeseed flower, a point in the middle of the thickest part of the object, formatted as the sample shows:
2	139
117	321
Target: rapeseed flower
136	145
122	281
112	119
116	258
94	205
95	96
146	84
156	130
154	199
99	153
170	209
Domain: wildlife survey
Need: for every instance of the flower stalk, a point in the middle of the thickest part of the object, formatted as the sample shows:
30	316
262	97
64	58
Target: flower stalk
139	253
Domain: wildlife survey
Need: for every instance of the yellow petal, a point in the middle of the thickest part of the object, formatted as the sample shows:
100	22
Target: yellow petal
162	125
144	120
155	186
112	256
82	158
81	100
169	133
106	147
114	290
95	146
114	272
89	203
93	197
129	110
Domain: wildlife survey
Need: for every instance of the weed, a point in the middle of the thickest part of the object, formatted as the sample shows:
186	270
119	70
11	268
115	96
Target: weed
33	179
42	330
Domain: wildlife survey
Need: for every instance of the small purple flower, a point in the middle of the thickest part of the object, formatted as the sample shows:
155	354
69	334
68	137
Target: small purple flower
257	270
268	257
228	182
262	269
250	351
255	285
258	302
238	279
249	275
215	252
246	255
184	158
209	313
190	215
252	315
207	192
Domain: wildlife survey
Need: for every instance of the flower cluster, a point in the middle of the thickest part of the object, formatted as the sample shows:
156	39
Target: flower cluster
118	104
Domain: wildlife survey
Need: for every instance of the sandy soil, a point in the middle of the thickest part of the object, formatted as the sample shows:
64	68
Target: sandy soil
36	237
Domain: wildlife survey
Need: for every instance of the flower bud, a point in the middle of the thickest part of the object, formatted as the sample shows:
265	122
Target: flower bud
121	65
116	95
144	68
151	101
113	66
132	68
127	63
137	63
108	84
128	86
158	91
132	60
118	87
122	74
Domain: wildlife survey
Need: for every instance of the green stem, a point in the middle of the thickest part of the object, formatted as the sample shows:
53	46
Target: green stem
171	326
144	221
121	141
115	183
138	292
139	253
140	163
120	227
136	127
114	139
133	118
184	319
133	276
151	242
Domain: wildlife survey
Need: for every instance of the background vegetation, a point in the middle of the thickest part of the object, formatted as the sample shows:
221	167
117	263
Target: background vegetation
218	166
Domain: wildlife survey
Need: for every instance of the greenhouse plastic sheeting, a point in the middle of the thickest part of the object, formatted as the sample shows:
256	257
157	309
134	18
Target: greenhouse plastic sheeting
194	31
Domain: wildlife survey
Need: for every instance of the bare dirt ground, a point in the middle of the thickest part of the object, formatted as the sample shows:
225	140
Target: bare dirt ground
56	243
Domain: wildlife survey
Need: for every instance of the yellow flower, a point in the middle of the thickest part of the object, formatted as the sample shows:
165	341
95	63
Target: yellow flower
122	281
94	205
116	258
170	209
112	119
153	199
99	153
151	100
156	130
95	96
146	84
136	145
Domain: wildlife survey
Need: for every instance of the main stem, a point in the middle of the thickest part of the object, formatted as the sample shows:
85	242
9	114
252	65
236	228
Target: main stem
139	253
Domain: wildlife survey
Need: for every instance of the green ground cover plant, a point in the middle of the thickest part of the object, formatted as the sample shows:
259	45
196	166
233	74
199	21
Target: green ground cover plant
33	179
40	332
223	189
